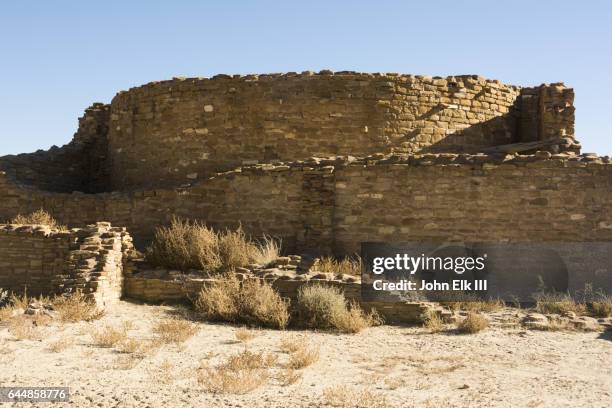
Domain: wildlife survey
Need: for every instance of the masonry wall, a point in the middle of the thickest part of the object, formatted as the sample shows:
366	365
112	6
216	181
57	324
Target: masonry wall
543	200
37	260
333	205
30	259
81	165
171	132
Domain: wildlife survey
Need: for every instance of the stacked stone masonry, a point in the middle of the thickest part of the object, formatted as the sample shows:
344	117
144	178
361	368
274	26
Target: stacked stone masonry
172	132
323	161
38	260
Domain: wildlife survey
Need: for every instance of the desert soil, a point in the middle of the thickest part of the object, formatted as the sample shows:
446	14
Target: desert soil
500	367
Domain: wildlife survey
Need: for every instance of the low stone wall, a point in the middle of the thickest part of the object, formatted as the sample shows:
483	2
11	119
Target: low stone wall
179	290
38	260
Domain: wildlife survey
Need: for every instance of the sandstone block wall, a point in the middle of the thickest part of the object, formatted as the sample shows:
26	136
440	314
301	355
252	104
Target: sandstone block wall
80	165
334	204
169	133
160	290
40	261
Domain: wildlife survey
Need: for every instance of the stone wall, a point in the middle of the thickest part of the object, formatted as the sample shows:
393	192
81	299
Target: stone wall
169	291
37	260
81	165
334	204
170	132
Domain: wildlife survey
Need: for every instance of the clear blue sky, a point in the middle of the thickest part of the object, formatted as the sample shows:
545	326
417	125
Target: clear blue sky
57	57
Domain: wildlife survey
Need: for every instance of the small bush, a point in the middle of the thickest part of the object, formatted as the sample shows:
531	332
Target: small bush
432	321
602	307
24	329
192	245
473	323
174	330
325	308
60	345
240	374
303	357
109	337
289	376
38	217
76	307
244	335
472	303
558	303
252	302
349	266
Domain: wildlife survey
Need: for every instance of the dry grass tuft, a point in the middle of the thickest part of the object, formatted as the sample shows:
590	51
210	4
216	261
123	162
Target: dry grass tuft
108	336
473	323
348	266
60	345
289	376
134	346
432	321
348	397
164	373
325	307
174	330
38	217
558	303
192	245
252	301
244	335
292	344
303	357
76	307
240	374
471	303
24	328
601	307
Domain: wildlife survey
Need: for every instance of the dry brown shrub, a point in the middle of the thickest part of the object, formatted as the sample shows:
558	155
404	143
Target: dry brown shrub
267	251
108	336
192	245
38	217
325	308
558	303
174	330
24	328
76	307
134	346
432	321
303	357
602	307
348	266
244	335
240	374
473	323
472	303
253	302
292	344
348	397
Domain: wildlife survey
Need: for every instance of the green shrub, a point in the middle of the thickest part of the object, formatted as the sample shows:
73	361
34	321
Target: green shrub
252	302
325	308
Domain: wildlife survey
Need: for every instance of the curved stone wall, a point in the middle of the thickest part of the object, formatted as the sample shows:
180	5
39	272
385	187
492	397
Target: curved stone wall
172	132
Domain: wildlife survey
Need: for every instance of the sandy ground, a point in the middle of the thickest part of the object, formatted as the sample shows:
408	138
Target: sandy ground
500	367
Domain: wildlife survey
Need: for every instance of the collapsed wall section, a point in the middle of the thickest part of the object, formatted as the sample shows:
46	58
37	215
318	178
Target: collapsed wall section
81	165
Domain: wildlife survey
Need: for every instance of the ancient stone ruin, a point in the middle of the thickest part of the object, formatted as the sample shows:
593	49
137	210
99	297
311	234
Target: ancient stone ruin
323	161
